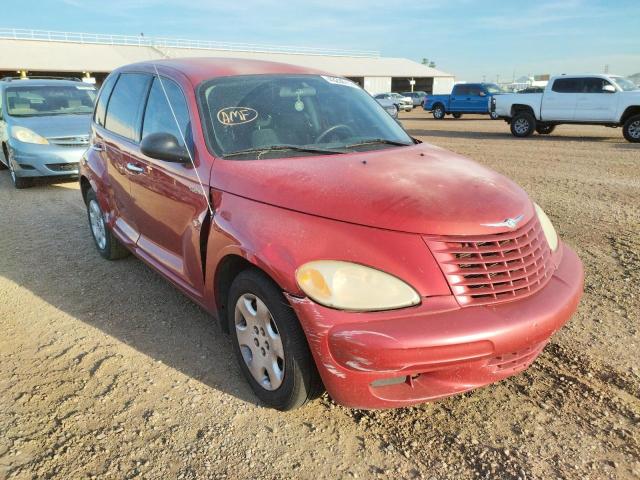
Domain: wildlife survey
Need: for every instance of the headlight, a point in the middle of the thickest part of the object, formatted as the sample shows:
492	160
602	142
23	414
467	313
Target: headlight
349	286
547	228
27	136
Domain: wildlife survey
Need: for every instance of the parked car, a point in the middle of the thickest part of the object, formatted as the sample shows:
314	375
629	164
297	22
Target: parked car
402	103
44	127
595	99
464	98
389	106
290	206
417	97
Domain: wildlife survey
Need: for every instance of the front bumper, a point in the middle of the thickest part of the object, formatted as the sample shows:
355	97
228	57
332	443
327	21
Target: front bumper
33	160
414	355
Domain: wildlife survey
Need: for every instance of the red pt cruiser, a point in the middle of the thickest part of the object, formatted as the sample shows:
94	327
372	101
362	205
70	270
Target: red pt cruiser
337	251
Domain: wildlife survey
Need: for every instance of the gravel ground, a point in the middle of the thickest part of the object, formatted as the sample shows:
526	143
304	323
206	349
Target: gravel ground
108	372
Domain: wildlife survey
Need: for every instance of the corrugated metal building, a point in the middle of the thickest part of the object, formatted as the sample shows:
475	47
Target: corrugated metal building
66	53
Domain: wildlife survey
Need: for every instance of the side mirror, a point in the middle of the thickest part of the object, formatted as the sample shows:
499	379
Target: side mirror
609	89
164	146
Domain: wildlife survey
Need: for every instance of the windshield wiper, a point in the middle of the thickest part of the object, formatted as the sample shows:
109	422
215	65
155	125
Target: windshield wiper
373	141
273	148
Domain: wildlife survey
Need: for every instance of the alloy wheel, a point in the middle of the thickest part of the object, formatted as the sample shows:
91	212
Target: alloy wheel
97	224
521	126
260	342
634	130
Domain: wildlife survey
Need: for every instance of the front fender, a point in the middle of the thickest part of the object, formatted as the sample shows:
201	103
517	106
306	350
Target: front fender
278	241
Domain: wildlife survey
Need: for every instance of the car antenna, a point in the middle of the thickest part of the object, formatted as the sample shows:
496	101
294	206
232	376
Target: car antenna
184	140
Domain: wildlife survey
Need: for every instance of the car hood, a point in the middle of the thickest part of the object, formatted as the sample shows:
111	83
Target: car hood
56	125
419	189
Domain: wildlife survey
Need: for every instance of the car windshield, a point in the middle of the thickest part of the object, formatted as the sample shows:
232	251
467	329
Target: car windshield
493	88
625	84
273	116
32	100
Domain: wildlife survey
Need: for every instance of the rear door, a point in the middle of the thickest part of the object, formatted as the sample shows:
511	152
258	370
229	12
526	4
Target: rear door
559	101
169	202
458	98
477	102
594	104
116	136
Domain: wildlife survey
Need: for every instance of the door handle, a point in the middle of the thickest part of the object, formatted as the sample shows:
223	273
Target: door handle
132	167
98	147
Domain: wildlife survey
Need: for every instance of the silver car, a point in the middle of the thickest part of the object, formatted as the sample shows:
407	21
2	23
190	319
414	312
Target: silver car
403	103
44	127
389	106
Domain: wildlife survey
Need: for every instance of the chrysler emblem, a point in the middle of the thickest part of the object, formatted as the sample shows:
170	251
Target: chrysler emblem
508	222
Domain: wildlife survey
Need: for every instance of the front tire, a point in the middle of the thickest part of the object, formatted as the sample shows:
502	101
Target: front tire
18	182
438	111
269	343
523	124
631	129
107	244
545	129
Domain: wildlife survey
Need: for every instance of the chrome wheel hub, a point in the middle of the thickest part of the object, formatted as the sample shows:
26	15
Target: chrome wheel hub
634	129
521	126
97	224
260	342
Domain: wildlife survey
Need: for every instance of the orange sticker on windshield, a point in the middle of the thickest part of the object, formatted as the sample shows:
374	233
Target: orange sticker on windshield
236	115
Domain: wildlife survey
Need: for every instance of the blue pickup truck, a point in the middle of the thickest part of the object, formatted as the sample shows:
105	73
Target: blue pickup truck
464	98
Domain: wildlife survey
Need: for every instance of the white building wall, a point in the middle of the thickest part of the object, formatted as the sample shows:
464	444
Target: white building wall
443	85
375	85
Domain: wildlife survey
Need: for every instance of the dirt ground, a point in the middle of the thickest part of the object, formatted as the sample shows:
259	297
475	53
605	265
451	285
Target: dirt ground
107	372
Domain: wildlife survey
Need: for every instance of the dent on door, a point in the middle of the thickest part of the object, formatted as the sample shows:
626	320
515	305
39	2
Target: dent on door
169	211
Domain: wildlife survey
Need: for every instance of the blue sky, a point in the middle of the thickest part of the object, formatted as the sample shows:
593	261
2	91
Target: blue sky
472	39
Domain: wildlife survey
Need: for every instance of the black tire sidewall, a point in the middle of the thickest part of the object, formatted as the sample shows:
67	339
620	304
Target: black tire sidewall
299	369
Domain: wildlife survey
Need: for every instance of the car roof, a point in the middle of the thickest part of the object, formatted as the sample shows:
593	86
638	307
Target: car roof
585	75
41	82
199	69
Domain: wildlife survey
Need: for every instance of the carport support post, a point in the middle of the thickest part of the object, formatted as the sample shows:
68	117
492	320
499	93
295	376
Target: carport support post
412	82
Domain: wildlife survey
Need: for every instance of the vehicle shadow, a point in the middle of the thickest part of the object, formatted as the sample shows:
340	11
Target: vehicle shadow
503	135
48	250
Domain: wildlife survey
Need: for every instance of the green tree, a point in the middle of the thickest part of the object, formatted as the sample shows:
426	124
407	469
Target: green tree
428	63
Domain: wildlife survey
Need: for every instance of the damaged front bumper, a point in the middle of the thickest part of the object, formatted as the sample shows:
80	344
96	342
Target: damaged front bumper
437	349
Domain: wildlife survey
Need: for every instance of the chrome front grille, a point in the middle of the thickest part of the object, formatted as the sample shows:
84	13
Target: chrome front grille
495	268
75	141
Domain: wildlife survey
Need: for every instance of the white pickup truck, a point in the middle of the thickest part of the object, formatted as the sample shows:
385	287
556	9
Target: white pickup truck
607	100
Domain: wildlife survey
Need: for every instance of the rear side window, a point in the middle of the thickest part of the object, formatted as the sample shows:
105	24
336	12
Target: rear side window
125	104
567	85
158	117
474	90
461	90
105	93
